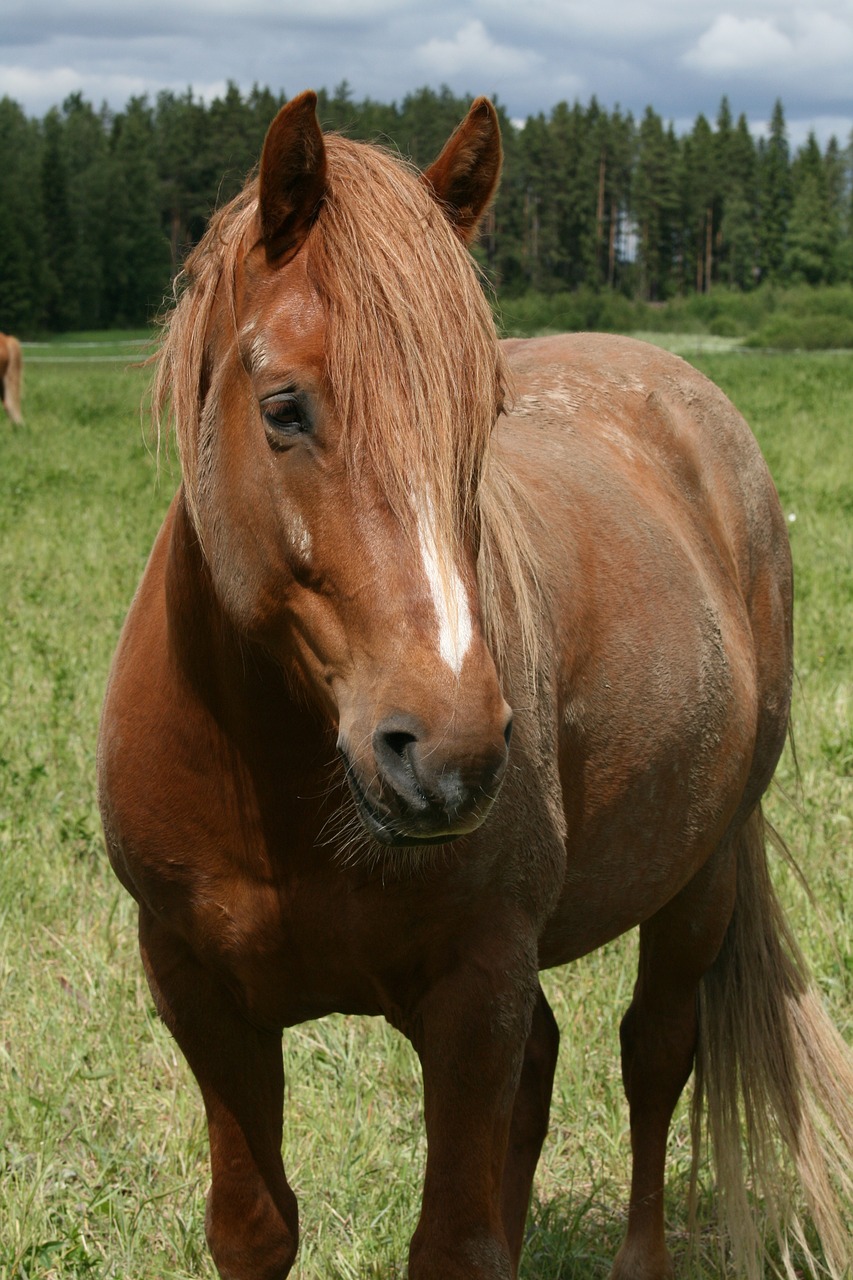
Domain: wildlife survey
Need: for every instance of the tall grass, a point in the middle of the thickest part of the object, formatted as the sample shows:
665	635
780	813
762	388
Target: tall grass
102	1145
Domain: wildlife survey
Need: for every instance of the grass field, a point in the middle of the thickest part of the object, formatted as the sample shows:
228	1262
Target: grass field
102	1145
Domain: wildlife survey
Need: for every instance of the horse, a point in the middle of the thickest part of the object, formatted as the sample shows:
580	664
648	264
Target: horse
11	365
453	660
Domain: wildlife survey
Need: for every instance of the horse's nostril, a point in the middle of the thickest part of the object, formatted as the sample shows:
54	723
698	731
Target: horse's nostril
508	731
394	747
398	741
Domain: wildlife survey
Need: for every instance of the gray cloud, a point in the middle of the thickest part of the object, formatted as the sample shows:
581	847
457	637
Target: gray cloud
679	58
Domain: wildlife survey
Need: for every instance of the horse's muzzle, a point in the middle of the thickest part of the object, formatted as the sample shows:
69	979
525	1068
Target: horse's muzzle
428	791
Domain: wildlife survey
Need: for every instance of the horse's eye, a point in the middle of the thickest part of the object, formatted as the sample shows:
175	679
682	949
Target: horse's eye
284	415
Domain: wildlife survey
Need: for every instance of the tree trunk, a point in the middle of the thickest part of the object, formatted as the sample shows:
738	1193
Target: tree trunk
599	214
709	248
611	248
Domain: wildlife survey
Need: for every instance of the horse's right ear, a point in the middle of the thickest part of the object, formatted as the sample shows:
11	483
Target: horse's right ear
292	178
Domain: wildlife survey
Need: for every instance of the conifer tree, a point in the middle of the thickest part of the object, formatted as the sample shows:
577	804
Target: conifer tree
700	188
621	147
813	231
774	195
21	228
180	127
60	308
536	169
655	204
84	148
738	238
137	257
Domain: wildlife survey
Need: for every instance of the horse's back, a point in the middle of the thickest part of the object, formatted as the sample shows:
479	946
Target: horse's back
612	435
641	409
665	577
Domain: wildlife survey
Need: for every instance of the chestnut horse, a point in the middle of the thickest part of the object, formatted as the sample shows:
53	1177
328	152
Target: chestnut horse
11	366
397	545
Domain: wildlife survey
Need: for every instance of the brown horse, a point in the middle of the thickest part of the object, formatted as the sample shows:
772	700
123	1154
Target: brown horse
395	539
11	368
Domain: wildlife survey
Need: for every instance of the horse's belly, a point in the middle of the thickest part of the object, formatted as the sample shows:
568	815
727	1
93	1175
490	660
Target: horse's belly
665	566
657	759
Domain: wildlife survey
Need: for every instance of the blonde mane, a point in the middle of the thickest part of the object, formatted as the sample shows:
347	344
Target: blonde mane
413	363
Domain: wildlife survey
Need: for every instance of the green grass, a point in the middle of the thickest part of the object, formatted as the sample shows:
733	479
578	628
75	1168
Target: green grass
103	1162
127	347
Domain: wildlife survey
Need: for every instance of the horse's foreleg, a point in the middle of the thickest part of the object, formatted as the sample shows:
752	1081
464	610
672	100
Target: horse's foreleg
658	1036
251	1222
471	1032
529	1123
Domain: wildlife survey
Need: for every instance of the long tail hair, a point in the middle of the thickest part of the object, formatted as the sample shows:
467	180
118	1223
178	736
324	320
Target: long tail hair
774	1081
12	380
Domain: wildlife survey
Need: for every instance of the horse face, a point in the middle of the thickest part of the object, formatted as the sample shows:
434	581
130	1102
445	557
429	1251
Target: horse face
307	556
352	582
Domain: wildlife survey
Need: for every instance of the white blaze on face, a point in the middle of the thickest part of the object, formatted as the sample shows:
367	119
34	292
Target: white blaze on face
448	593
258	352
301	538
298	533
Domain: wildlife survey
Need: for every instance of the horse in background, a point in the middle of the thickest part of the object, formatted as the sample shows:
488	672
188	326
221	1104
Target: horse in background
454	660
11	376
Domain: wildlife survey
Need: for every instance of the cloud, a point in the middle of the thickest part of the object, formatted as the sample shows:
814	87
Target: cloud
46	89
826	40
810	39
52	86
678	57
738	44
473	50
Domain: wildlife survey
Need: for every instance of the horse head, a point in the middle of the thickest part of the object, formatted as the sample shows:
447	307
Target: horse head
344	381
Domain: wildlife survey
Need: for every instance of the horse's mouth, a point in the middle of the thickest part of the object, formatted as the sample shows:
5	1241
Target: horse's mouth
389	829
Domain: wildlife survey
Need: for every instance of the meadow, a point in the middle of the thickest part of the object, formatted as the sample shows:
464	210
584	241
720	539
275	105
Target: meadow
103	1162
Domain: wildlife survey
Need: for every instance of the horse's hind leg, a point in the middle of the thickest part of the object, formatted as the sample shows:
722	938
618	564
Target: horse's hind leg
529	1123
251	1221
658	1034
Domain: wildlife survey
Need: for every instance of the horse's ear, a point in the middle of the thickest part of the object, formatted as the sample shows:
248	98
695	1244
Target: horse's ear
292	178
465	176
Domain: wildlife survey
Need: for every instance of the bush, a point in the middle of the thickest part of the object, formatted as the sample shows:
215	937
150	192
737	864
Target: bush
585	309
798	318
805	332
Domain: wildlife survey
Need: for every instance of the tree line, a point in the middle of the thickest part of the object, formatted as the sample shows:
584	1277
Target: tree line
98	209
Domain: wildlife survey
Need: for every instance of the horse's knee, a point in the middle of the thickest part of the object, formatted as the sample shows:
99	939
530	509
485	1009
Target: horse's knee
533	1100
546	1032
251	1241
627	1041
540	1054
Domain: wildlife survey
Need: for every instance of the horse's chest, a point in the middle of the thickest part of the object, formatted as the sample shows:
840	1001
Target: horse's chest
287	948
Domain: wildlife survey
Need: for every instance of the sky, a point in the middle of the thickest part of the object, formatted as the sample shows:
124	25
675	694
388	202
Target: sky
678	56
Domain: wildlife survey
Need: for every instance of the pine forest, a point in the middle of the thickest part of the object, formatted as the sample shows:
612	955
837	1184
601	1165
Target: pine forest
98	209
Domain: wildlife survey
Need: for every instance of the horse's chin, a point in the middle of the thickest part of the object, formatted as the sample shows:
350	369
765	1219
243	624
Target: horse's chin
404	840
392	831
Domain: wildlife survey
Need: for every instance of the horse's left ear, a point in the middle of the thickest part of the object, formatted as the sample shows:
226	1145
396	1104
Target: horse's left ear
292	178
465	176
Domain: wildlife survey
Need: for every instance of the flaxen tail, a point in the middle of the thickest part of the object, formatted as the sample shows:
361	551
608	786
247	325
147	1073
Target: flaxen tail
774	1082
12	380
